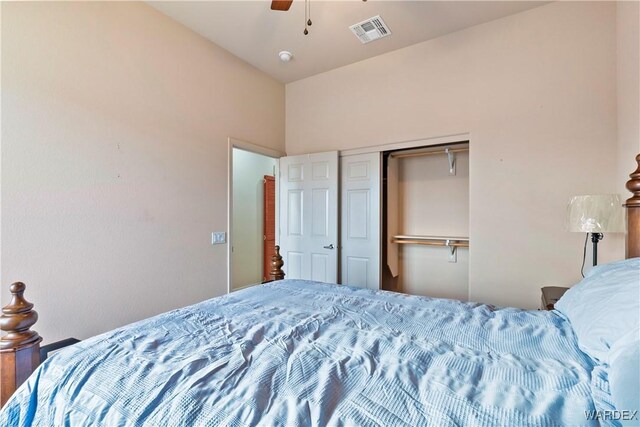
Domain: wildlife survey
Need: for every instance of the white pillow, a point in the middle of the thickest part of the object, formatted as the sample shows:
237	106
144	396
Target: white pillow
624	374
604	306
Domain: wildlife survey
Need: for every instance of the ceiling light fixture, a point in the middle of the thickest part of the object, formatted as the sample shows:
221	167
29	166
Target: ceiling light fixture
285	56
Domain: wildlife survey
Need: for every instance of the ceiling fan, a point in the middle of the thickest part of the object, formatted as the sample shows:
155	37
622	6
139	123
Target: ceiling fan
282	5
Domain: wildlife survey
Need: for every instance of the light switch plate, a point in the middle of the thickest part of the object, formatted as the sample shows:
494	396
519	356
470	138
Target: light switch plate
218	237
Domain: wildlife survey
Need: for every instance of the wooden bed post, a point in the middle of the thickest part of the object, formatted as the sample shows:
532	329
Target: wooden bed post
633	214
20	347
276	272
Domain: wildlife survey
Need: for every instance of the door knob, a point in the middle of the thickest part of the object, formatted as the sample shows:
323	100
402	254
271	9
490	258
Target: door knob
328	247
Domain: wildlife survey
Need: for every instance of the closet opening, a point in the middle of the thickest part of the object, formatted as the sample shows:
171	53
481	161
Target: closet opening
425	220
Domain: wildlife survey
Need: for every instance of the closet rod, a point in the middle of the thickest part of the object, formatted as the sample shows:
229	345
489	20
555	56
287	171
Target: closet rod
429	153
462	242
452	243
423	243
439	238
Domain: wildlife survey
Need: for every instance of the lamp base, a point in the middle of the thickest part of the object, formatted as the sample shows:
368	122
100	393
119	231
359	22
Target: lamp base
595	238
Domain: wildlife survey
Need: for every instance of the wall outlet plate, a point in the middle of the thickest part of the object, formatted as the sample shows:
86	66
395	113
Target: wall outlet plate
218	237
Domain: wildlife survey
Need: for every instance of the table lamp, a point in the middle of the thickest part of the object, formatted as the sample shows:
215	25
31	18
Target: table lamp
596	214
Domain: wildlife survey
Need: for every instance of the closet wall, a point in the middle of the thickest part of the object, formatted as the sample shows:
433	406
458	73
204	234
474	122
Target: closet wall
431	202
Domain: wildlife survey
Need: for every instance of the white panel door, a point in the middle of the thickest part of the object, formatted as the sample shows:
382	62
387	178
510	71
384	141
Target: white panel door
360	232
309	216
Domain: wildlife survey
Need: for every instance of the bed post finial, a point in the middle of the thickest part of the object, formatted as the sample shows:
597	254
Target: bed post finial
17	317
20	347
633	214
276	272
633	185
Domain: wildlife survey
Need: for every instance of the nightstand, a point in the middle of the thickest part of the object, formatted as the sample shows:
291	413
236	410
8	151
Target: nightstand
551	295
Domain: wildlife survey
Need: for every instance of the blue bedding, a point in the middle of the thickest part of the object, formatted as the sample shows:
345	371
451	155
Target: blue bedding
300	353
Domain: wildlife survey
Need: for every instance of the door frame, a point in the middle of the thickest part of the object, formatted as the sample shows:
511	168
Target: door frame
253	148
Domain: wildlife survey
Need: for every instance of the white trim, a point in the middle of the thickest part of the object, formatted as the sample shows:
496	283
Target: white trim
258	149
447	139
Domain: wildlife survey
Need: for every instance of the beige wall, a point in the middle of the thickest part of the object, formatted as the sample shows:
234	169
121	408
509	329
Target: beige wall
249	170
114	160
537	93
628	37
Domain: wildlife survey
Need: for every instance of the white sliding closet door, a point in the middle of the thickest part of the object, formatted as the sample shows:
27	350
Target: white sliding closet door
360	232
309	216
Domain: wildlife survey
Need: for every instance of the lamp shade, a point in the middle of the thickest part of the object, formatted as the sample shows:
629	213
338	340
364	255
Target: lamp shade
601	213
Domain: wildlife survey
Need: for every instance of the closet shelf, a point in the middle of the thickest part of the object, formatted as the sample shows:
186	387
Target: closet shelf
453	242
420	153
449	151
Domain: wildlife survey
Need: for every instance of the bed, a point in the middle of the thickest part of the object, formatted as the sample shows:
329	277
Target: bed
294	352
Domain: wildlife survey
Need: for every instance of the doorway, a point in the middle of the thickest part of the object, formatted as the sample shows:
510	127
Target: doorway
251	212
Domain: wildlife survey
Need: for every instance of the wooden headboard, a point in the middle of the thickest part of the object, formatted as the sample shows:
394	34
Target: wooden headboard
20	347
633	214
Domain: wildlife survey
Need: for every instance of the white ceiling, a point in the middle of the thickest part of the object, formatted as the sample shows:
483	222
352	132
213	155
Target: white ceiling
255	33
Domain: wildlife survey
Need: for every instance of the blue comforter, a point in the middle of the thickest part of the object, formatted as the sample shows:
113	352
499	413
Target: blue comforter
302	353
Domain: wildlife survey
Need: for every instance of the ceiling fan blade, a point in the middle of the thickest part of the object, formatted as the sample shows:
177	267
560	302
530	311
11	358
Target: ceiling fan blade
283	5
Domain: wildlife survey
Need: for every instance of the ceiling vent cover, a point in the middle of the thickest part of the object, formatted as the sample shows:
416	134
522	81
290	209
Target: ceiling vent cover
370	30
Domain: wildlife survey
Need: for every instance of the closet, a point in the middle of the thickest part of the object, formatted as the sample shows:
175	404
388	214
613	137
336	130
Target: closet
395	220
425	221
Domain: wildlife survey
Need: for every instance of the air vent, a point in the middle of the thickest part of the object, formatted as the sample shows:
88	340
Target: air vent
370	30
